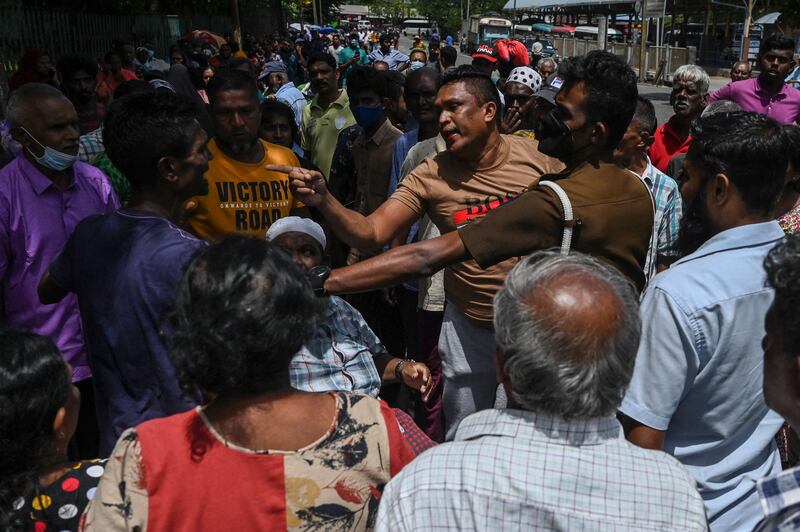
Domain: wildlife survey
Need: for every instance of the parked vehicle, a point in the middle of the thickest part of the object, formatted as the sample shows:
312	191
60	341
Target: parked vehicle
545	48
486	29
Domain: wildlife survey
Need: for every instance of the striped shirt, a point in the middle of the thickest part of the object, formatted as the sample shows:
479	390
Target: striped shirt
518	470
668	212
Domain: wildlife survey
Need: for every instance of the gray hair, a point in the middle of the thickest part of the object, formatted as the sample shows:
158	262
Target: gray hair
555	371
720	106
693	74
544	60
30	94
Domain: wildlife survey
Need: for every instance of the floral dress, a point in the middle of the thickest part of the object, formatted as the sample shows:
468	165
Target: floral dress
178	473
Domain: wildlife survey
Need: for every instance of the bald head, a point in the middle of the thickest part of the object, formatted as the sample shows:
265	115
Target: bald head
567	331
29	98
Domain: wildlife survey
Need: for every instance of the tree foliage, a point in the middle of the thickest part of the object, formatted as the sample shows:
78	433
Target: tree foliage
449	14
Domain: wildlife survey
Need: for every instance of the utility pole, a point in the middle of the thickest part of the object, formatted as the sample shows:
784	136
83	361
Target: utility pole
748	19
643	43
314	10
237	28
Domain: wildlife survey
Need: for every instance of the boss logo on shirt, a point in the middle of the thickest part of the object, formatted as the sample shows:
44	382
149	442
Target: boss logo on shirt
477	207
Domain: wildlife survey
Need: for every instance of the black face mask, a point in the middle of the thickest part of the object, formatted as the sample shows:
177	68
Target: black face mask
554	136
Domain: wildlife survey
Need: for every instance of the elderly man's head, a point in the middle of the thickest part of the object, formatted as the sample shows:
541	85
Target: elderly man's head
567	330
689	91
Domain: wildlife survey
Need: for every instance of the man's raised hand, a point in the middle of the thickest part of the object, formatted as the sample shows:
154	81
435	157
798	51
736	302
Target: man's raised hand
307	186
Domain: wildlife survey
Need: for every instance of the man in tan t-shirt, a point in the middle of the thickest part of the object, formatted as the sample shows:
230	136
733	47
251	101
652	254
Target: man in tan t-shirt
613	208
480	171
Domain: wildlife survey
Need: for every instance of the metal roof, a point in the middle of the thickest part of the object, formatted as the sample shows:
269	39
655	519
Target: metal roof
544	4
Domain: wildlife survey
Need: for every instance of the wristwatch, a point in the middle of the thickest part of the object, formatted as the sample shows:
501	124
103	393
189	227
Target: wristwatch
398	369
317	277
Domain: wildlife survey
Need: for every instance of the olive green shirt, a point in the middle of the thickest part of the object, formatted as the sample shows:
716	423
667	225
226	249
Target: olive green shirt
321	128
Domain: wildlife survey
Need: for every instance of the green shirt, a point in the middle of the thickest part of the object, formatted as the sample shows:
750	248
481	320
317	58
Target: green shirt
321	129
347	54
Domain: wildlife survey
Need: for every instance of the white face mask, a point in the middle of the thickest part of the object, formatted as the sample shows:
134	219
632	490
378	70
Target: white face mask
52	158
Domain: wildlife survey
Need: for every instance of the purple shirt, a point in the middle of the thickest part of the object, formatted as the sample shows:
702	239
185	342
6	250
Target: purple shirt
36	219
783	107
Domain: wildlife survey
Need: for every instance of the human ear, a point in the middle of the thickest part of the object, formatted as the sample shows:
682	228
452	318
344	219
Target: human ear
490	111
166	169
58	422
599	134
646	140
720	188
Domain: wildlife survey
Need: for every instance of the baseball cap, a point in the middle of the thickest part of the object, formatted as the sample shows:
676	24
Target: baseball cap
271	67
485	51
550	88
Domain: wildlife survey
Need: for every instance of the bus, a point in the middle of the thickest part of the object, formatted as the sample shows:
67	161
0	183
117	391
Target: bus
419	26
486	29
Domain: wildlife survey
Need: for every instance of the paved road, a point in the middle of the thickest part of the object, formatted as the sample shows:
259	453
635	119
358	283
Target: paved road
659	95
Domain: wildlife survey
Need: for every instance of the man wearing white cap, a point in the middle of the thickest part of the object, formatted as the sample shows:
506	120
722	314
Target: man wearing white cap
519	90
344	354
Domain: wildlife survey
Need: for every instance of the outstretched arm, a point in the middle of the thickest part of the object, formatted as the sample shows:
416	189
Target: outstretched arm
412	261
355	229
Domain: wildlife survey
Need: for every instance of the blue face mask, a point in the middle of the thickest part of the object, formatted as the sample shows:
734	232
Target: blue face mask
52	158
416	65
353	44
367	116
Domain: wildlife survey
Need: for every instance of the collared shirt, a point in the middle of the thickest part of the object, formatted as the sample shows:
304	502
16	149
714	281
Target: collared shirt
431	289
346	55
613	206
373	164
667	145
699	370
394	58
36	220
668	212
321	128
783	107
292	97
518	470
340	354
780	501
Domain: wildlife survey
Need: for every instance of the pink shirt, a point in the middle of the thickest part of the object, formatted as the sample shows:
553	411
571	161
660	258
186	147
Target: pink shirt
783	107
36	219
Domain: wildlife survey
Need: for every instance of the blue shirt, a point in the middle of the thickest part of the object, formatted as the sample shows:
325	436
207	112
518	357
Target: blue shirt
295	99
393	58
699	370
780	501
125	268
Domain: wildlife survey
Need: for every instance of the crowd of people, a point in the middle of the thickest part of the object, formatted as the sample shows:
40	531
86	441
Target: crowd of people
382	291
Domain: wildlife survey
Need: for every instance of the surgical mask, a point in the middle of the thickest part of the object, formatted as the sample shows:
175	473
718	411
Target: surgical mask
367	116
52	158
416	65
151	53
353	43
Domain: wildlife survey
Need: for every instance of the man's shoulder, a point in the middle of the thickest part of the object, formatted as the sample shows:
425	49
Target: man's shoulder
603	184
